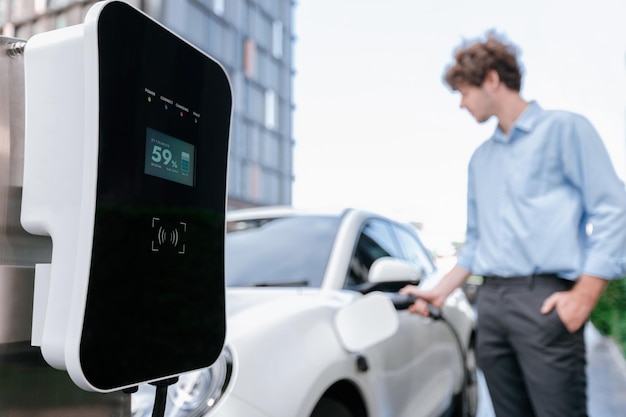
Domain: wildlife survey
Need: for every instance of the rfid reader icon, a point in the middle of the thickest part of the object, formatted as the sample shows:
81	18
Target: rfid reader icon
168	237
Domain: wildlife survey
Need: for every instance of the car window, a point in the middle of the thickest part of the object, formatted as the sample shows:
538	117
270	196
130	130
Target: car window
413	250
286	251
375	241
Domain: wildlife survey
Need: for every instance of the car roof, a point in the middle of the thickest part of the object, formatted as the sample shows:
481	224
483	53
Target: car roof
347	215
279	211
270	212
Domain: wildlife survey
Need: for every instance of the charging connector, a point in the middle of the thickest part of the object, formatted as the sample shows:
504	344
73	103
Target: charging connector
435	313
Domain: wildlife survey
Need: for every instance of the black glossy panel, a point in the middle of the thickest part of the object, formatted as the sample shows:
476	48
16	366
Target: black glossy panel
155	304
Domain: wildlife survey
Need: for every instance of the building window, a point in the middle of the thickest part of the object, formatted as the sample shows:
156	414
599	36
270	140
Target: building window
271	109
249	58
271	188
53	4
61	20
277	39
254	182
4	11
8	30
255	103
234	177
40	6
218	7
270	152
20	10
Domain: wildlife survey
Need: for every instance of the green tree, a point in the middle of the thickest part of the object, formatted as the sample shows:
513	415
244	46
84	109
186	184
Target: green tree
609	316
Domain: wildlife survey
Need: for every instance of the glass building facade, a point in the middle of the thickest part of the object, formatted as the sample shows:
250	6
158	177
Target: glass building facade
253	40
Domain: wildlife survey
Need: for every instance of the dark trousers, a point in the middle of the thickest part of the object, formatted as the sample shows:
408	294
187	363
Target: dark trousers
533	366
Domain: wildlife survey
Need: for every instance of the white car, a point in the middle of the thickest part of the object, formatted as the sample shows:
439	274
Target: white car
316	327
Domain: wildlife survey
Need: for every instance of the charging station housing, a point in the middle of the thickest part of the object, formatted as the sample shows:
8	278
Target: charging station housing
126	150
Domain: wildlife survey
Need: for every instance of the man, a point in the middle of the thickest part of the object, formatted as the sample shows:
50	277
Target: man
546	227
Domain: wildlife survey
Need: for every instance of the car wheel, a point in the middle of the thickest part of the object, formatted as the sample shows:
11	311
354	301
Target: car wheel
329	407
467	399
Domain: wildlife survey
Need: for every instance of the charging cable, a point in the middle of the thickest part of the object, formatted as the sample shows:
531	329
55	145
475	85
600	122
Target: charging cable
436	314
160	398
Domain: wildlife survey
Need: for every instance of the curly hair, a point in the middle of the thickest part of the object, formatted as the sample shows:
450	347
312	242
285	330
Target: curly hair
472	61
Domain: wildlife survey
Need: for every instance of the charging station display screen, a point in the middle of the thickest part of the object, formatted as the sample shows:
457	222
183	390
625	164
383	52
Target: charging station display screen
169	158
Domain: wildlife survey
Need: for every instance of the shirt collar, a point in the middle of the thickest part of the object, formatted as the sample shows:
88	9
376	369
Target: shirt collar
524	123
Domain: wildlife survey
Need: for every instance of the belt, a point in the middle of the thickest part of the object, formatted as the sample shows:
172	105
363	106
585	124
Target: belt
519	279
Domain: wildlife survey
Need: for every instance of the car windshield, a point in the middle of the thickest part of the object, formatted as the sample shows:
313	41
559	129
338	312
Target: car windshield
284	251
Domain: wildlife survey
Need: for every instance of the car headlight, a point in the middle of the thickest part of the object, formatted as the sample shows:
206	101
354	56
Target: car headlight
195	393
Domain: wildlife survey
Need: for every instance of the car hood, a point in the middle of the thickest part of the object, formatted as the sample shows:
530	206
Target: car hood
240	300
253	310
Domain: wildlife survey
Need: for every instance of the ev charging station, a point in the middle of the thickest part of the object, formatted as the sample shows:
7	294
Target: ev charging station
125	161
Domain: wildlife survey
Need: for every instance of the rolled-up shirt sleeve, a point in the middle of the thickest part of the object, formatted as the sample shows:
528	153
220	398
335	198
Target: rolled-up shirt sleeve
586	163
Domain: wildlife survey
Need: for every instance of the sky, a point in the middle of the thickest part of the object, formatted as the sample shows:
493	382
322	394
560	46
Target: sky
376	128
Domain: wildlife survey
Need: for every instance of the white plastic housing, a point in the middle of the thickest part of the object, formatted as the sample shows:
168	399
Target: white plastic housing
60	176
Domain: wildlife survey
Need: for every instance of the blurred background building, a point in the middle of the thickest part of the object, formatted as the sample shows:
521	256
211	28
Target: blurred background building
253	40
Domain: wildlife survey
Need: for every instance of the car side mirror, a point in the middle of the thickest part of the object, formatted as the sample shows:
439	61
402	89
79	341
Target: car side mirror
367	321
388	269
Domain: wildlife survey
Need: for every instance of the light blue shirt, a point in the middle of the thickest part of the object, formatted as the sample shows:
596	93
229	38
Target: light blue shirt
545	199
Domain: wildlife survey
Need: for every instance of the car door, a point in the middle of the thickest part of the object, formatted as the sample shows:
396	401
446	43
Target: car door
412	372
